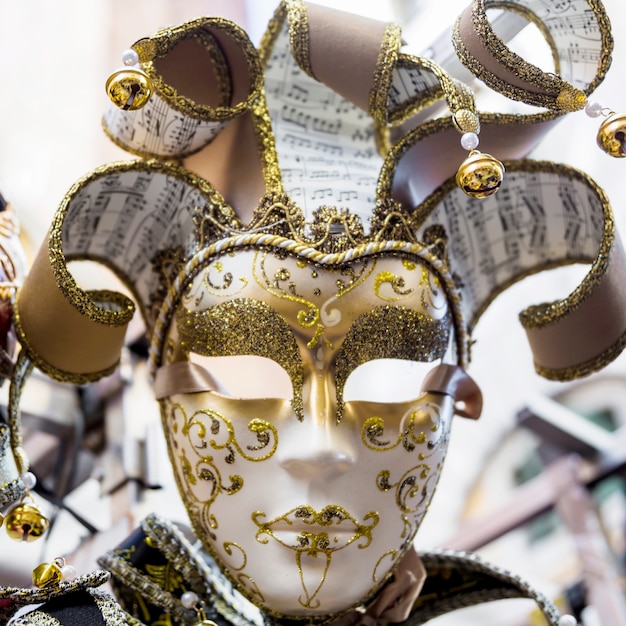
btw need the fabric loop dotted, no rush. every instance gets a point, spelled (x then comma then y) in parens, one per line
(452, 380)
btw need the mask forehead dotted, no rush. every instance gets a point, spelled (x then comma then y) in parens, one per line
(318, 300)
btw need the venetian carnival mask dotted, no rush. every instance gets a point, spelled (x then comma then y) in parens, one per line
(309, 349)
(330, 473)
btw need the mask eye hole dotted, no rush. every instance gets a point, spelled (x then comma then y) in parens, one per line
(386, 380)
(247, 377)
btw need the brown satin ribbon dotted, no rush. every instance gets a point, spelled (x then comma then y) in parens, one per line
(483, 55)
(590, 330)
(454, 381)
(344, 51)
(394, 603)
(182, 377)
(60, 339)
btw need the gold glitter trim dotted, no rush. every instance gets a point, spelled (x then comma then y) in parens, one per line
(21, 371)
(458, 95)
(383, 74)
(272, 31)
(153, 48)
(266, 146)
(299, 35)
(513, 6)
(544, 314)
(37, 618)
(23, 597)
(549, 85)
(13, 489)
(111, 611)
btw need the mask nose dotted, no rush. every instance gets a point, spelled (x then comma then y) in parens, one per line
(318, 448)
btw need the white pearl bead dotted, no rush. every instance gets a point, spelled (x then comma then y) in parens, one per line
(189, 599)
(567, 620)
(593, 109)
(469, 141)
(130, 57)
(29, 479)
(68, 572)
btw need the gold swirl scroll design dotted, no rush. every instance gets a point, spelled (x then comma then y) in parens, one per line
(208, 430)
(281, 284)
(217, 282)
(391, 287)
(311, 534)
(390, 555)
(422, 428)
(411, 494)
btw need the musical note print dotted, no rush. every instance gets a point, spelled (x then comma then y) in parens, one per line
(535, 219)
(126, 219)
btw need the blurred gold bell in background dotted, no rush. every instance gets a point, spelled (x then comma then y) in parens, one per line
(612, 135)
(480, 175)
(129, 88)
(26, 522)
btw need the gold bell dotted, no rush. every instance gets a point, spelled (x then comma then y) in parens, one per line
(480, 175)
(129, 88)
(612, 135)
(26, 522)
(47, 575)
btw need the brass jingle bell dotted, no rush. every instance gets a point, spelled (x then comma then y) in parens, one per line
(129, 88)
(612, 135)
(47, 575)
(480, 175)
(26, 522)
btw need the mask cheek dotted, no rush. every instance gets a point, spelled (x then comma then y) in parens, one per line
(213, 441)
(409, 452)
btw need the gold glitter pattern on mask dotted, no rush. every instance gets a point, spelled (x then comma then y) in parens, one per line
(390, 332)
(243, 327)
(315, 537)
(205, 434)
(422, 428)
(397, 284)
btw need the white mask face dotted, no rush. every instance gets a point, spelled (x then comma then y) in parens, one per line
(307, 493)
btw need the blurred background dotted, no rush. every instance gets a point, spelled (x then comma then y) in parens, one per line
(502, 489)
